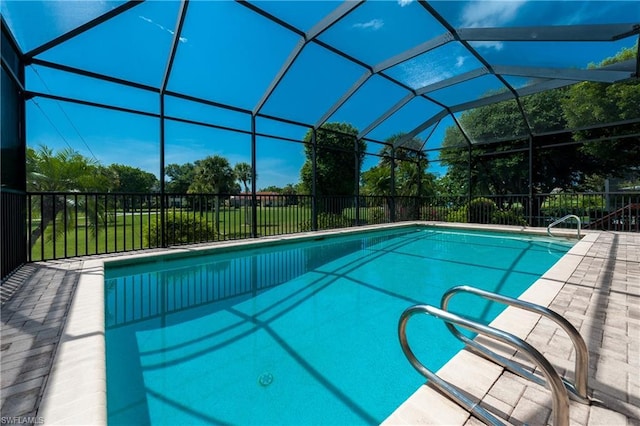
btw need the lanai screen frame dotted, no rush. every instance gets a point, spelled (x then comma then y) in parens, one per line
(551, 78)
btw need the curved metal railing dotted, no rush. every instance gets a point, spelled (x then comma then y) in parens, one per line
(578, 388)
(559, 394)
(562, 219)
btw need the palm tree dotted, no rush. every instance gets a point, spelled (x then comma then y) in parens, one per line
(64, 171)
(409, 164)
(212, 175)
(243, 172)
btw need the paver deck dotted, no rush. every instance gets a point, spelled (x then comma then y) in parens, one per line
(600, 297)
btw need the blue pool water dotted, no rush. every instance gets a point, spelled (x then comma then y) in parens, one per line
(302, 333)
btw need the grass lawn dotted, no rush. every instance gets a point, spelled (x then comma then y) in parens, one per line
(130, 232)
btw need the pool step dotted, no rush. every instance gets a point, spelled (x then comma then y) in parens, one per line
(428, 406)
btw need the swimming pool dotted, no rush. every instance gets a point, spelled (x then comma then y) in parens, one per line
(296, 333)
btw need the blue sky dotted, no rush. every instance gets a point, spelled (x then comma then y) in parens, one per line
(229, 54)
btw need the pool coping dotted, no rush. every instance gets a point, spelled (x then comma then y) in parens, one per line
(75, 392)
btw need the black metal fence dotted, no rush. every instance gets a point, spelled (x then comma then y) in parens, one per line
(618, 211)
(61, 225)
(14, 242)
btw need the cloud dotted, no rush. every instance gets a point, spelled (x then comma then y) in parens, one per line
(489, 13)
(403, 3)
(434, 66)
(481, 14)
(419, 74)
(144, 18)
(496, 45)
(374, 24)
(583, 12)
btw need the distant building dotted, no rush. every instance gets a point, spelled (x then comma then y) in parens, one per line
(263, 199)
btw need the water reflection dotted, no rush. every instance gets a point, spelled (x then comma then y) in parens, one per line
(163, 287)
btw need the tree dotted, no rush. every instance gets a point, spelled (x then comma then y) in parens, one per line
(64, 171)
(213, 175)
(447, 186)
(544, 110)
(132, 179)
(181, 175)
(591, 103)
(336, 165)
(566, 166)
(243, 173)
(376, 181)
(290, 193)
(410, 177)
(410, 169)
(129, 179)
(494, 168)
(272, 188)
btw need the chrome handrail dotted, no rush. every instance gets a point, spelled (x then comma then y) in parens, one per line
(560, 398)
(578, 389)
(562, 219)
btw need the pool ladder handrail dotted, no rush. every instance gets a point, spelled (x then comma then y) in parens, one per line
(578, 387)
(563, 219)
(560, 398)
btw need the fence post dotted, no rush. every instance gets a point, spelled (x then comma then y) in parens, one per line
(392, 213)
(314, 195)
(254, 198)
(357, 182)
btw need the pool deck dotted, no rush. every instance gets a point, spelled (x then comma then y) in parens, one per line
(596, 286)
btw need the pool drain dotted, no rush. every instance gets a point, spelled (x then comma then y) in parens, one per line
(265, 379)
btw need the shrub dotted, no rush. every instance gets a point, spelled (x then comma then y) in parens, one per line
(457, 215)
(376, 215)
(436, 213)
(327, 221)
(509, 217)
(481, 210)
(484, 210)
(517, 208)
(181, 228)
(561, 204)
